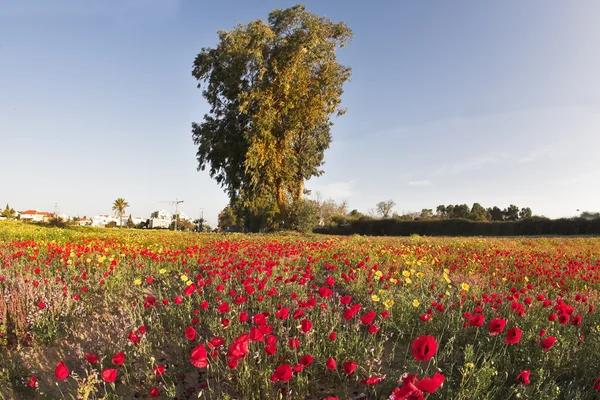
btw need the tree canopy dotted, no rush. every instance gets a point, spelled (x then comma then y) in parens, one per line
(272, 87)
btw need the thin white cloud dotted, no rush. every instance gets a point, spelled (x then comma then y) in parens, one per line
(541, 152)
(472, 164)
(420, 183)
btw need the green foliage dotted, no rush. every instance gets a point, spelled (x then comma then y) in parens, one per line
(9, 213)
(272, 88)
(130, 223)
(57, 222)
(304, 216)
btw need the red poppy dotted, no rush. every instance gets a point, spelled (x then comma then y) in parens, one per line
(330, 363)
(119, 358)
(368, 317)
(33, 382)
(159, 370)
(41, 305)
(373, 329)
(283, 313)
(513, 336)
(61, 371)
(294, 343)
(256, 335)
(243, 317)
(306, 360)
(92, 358)
(306, 325)
(238, 349)
(198, 357)
(496, 326)
(349, 367)
(178, 300)
(332, 336)
(548, 343)
(142, 330)
(217, 341)
(372, 380)
(523, 377)
(282, 373)
(134, 338)
(154, 392)
(430, 385)
(476, 320)
(424, 347)
(345, 300)
(109, 375)
(576, 321)
(596, 384)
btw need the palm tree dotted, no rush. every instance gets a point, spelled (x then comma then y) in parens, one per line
(119, 207)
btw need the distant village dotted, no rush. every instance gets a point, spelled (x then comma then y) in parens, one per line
(160, 219)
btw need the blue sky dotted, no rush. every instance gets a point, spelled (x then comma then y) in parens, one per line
(449, 102)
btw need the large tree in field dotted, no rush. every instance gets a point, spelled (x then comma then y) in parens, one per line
(272, 87)
(119, 207)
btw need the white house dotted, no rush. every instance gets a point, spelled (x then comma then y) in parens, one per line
(35, 216)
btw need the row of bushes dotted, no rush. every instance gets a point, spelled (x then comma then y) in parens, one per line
(463, 227)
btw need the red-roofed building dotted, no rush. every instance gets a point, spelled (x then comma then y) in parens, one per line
(35, 215)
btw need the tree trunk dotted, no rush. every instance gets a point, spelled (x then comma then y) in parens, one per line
(300, 192)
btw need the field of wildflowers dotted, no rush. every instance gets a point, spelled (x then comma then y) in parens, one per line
(125, 314)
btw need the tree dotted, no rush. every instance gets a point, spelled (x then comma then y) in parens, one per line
(426, 213)
(384, 208)
(511, 213)
(496, 214)
(461, 211)
(8, 212)
(119, 207)
(227, 219)
(441, 211)
(130, 223)
(328, 209)
(585, 214)
(272, 88)
(478, 213)
(525, 213)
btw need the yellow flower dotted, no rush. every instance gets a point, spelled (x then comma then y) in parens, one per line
(446, 271)
(188, 283)
(465, 287)
(406, 273)
(408, 281)
(184, 278)
(420, 274)
(375, 297)
(388, 303)
(162, 271)
(416, 303)
(393, 280)
(137, 282)
(378, 274)
(381, 291)
(469, 365)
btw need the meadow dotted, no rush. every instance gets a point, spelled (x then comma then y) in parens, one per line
(123, 314)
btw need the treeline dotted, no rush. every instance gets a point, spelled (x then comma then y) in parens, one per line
(478, 213)
(462, 227)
